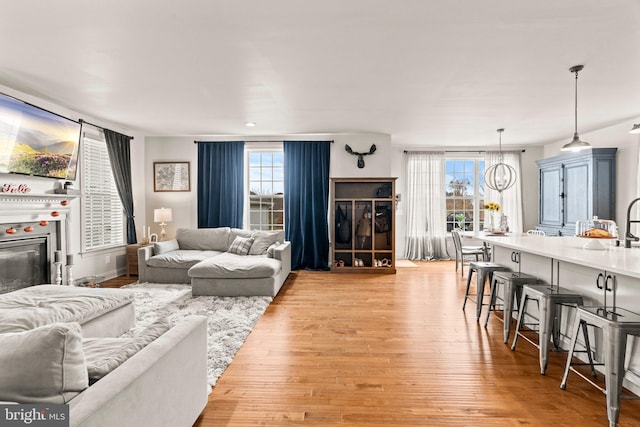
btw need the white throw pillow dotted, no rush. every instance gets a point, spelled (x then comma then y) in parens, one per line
(271, 251)
(163, 247)
(43, 365)
(106, 354)
(241, 245)
(263, 239)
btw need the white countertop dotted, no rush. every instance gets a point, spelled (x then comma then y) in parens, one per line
(614, 259)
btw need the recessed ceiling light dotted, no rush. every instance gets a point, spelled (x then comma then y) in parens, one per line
(250, 124)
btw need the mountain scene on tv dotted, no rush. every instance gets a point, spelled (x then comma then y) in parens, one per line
(36, 142)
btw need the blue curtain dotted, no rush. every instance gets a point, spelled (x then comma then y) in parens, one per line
(306, 203)
(220, 184)
(120, 159)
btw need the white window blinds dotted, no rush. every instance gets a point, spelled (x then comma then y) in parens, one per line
(102, 214)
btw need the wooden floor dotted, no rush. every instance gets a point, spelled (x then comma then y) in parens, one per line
(385, 350)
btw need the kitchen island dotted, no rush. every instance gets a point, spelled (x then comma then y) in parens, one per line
(564, 261)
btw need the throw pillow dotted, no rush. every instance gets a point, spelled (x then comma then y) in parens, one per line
(43, 365)
(241, 245)
(106, 354)
(271, 250)
(262, 241)
(168, 246)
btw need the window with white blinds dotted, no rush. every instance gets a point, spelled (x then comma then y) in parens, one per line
(102, 214)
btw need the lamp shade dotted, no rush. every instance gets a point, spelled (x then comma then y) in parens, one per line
(162, 215)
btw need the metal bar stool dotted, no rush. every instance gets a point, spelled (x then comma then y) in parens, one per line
(548, 298)
(484, 270)
(616, 324)
(512, 283)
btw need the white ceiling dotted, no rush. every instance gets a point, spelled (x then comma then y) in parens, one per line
(429, 73)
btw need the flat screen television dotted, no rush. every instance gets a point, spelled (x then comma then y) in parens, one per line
(37, 142)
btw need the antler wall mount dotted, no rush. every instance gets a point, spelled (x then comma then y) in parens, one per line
(360, 155)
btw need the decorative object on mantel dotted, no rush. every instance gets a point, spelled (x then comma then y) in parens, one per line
(360, 155)
(15, 188)
(69, 191)
(576, 144)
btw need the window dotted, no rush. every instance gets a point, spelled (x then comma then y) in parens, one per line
(464, 194)
(102, 215)
(266, 190)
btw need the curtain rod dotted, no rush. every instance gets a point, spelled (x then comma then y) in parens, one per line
(459, 151)
(264, 140)
(83, 121)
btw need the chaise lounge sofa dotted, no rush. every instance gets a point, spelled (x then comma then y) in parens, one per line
(219, 261)
(158, 377)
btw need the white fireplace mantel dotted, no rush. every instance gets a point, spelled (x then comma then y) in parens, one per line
(26, 207)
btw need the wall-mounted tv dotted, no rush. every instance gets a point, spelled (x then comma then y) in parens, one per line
(37, 142)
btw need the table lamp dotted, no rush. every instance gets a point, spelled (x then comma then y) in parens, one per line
(162, 215)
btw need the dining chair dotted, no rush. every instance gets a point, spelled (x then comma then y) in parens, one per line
(465, 251)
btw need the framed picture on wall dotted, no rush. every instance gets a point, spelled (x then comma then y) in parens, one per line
(171, 176)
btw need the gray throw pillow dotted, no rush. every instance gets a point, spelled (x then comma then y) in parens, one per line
(262, 240)
(42, 365)
(163, 247)
(241, 245)
(106, 354)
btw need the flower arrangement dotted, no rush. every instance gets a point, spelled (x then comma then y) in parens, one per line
(492, 207)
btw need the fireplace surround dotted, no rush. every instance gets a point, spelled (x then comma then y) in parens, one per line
(32, 229)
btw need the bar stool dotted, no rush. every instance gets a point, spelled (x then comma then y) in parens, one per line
(548, 298)
(484, 270)
(616, 325)
(512, 283)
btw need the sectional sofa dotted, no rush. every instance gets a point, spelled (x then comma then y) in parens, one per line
(158, 377)
(219, 261)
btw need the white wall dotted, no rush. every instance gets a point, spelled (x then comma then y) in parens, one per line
(94, 263)
(179, 148)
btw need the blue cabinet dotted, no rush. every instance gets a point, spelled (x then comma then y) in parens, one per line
(576, 186)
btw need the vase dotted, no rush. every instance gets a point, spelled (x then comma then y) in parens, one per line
(491, 224)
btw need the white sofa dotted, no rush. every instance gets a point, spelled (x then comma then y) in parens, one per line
(45, 357)
(257, 263)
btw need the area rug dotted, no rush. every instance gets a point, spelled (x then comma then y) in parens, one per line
(230, 319)
(405, 263)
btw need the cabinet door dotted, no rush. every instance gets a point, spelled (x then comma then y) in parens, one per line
(550, 191)
(577, 193)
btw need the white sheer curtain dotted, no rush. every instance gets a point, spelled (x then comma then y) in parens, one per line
(426, 219)
(511, 198)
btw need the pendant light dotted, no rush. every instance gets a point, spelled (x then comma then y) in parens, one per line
(576, 144)
(500, 176)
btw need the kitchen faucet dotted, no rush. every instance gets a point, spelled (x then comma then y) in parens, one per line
(628, 236)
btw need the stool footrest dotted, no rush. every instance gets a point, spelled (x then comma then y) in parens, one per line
(587, 379)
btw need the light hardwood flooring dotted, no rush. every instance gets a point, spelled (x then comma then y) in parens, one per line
(393, 350)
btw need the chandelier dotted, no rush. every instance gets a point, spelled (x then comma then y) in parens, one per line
(500, 176)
